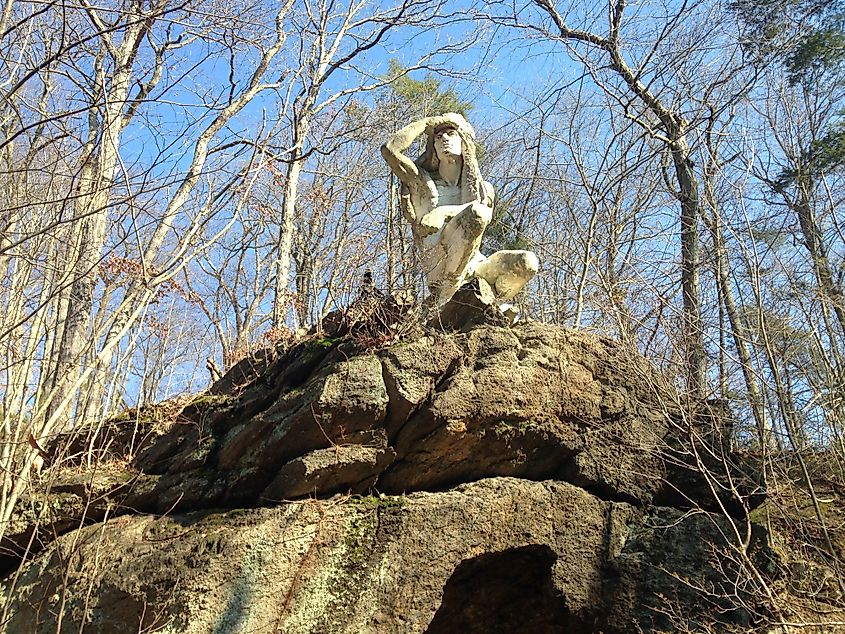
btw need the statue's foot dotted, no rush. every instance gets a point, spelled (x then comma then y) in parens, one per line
(508, 272)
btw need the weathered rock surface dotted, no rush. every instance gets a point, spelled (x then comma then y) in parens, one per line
(497, 555)
(526, 476)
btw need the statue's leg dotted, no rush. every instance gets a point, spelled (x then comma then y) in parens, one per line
(462, 236)
(508, 271)
(461, 239)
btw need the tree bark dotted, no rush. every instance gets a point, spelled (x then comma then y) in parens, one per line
(287, 226)
(818, 252)
(696, 357)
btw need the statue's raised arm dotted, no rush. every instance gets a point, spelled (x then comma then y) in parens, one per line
(449, 206)
(392, 151)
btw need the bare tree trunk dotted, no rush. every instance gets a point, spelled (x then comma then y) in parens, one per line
(389, 246)
(797, 439)
(287, 226)
(739, 333)
(92, 202)
(818, 251)
(696, 358)
(586, 263)
(94, 406)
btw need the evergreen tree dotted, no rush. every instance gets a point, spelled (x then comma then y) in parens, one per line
(807, 37)
(424, 97)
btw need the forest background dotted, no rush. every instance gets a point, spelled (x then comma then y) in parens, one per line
(184, 182)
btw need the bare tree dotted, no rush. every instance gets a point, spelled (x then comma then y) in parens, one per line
(644, 78)
(331, 42)
(128, 48)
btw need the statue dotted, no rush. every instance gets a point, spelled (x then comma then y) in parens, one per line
(449, 206)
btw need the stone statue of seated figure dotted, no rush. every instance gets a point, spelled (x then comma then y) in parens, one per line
(449, 206)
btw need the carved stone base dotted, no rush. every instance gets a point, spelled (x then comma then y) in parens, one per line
(473, 304)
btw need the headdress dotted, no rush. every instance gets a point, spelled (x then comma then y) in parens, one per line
(471, 181)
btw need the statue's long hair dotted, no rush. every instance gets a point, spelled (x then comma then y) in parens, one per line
(471, 181)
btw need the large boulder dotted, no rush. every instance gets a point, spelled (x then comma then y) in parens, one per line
(512, 475)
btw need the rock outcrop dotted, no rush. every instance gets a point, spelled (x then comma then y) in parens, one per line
(525, 479)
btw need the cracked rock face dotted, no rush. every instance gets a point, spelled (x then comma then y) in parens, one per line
(512, 478)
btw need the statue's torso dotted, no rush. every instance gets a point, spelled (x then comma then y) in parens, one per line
(432, 192)
(447, 194)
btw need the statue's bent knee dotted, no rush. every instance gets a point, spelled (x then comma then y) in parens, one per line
(482, 212)
(508, 272)
(474, 219)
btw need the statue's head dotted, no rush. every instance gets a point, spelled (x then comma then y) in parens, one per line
(451, 136)
(447, 142)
